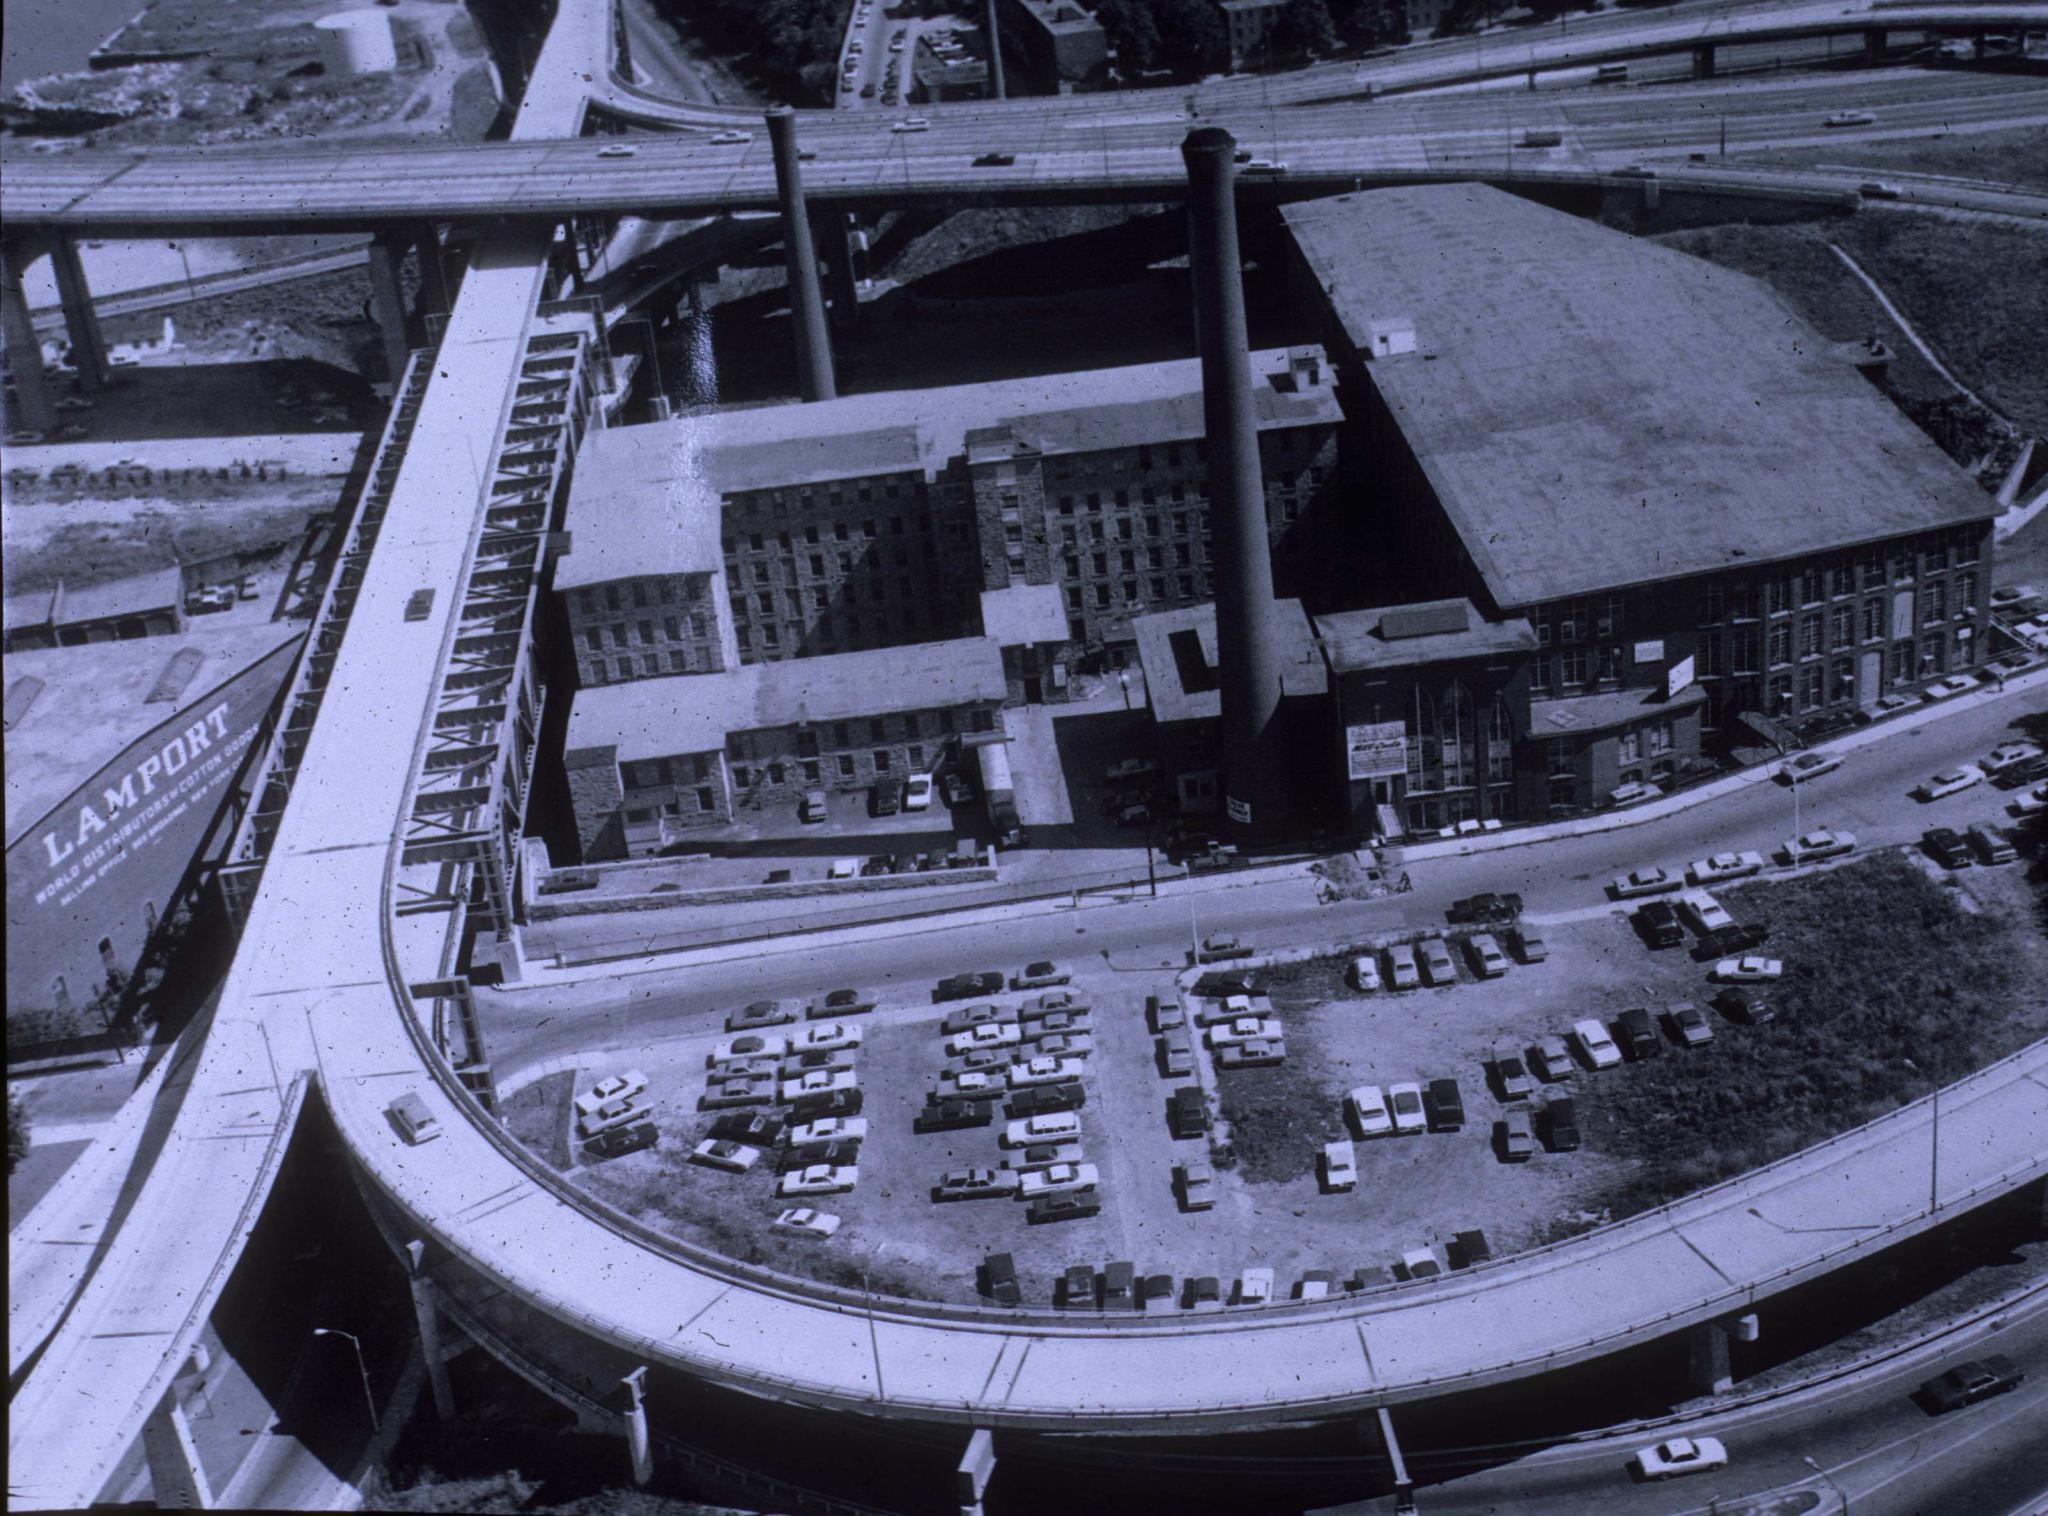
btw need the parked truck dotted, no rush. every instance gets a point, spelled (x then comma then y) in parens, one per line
(1000, 793)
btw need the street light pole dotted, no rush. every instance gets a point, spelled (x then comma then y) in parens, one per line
(362, 1368)
(1807, 1459)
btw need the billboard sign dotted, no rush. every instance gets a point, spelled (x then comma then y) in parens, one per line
(1376, 749)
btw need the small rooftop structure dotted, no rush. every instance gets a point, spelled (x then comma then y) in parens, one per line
(47, 614)
(1593, 410)
(1430, 631)
(1023, 614)
(651, 718)
(1606, 711)
(1183, 680)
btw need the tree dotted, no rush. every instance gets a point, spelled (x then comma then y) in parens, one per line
(17, 1133)
(1132, 32)
(1304, 27)
(1192, 35)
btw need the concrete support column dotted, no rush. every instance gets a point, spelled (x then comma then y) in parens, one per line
(834, 235)
(976, 1464)
(35, 409)
(436, 298)
(1248, 647)
(806, 299)
(81, 321)
(1703, 61)
(1404, 1483)
(175, 1472)
(1873, 44)
(387, 299)
(636, 1425)
(426, 1311)
(1708, 1371)
(995, 50)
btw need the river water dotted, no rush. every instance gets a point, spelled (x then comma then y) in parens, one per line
(54, 36)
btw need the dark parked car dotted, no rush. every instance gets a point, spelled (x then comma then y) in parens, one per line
(967, 986)
(1637, 1034)
(1077, 1288)
(1188, 1112)
(1744, 1006)
(1968, 1383)
(1468, 1248)
(1446, 1106)
(1658, 925)
(1945, 845)
(1043, 1099)
(1204, 1292)
(1072, 1206)
(883, 800)
(1119, 1287)
(825, 1103)
(999, 1280)
(1731, 941)
(838, 1153)
(1219, 947)
(840, 1003)
(1514, 1136)
(1561, 1125)
(621, 1140)
(953, 1115)
(1486, 909)
(756, 1127)
(878, 864)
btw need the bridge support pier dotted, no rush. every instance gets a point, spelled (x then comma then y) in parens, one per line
(995, 50)
(1708, 1368)
(175, 1472)
(81, 321)
(426, 1311)
(387, 298)
(636, 1425)
(35, 409)
(806, 300)
(1703, 61)
(977, 1463)
(1404, 1482)
(436, 295)
(1873, 45)
(833, 232)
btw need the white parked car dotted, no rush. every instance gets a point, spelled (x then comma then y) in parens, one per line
(1596, 1043)
(1802, 766)
(1045, 1071)
(818, 1082)
(1720, 866)
(825, 1035)
(1950, 782)
(1420, 1263)
(1369, 1113)
(802, 1221)
(2032, 802)
(1340, 1166)
(1246, 1029)
(917, 794)
(1488, 961)
(1750, 968)
(717, 1153)
(1707, 913)
(1642, 882)
(990, 1034)
(1058, 1179)
(752, 1045)
(1681, 1455)
(1365, 973)
(1054, 1126)
(2009, 755)
(1404, 1102)
(1401, 964)
(1941, 689)
(619, 1087)
(1823, 842)
(830, 1129)
(1255, 1287)
(819, 1179)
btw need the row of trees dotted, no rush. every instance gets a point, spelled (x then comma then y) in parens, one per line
(791, 45)
(1191, 37)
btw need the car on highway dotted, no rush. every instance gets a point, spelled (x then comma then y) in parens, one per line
(1514, 1137)
(1486, 909)
(1437, 965)
(1365, 974)
(802, 1221)
(1541, 137)
(1255, 1053)
(1404, 1103)
(618, 1087)
(1878, 189)
(752, 1045)
(1848, 118)
(818, 1082)
(1527, 944)
(974, 1184)
(1689, 1025)
(825, 1034)
(1968, 1383)
(737, 1092)
(1039, 976)
(1197, 1185)
(967, 986)
(1945, 845)
(1657, 924)
(911, 124)
(1803, 766)
(1369, 1114)
(1681, 1455)
(1445, 1104)
(1222, 947)
(1596, 1044)
(718, 1153)
(1058, 1179)
(1072, 1206)
(989, 1034)
(1949, 782)
(731, 138)
(1550, 1059)
(1048, 1069)
(1403, 972)
(758, 1127)
(839, 1003)
(1488, 961)
(1706, 913)
(1817, 845)
(952, 1116)
(818, 1179)
(1719, 866)
(617, 150)
(1265, 166)
(1638, 882)
(1750, 968)
(760, 1013)
(995, 160)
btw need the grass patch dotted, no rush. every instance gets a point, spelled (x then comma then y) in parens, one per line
(2015, 157)
(1890, 990)
(1279, 1117)
(537, 1116)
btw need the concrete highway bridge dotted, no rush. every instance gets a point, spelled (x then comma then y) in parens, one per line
(376, 857)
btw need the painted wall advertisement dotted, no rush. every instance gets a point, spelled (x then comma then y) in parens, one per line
(1376, 749)
(108, 858)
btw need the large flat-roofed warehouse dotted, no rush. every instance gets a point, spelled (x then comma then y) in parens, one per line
(655, 758)
(1717, 528)
(882, 519)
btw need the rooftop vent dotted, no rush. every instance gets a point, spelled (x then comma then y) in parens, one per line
(170, 684)
(1389, 336)
(20, 696)
(1424, 620)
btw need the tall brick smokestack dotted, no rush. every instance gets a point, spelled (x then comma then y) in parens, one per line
(1248, 649)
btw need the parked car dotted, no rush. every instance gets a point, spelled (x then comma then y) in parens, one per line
(812, 806)
(1731, 941)
(1706, 913)
(830, 1129)
(1197, 1185)
(1049, 1001)
(1255, 1287)
(1515, 1137)
(1638, 882)
(831, 1103)
(1042, 1155)
(1512, 1077)
(975, 1184)
(1689, 1025)
(1967, 1383)
(952, 1116)
(817, 1082)
(752, 1045)
(917, 793)
(967, 1017)
(802, 1221)
(818, 1179)
(1528, 945)
(1419, 1263)
(1057, 1179)
(621, 1140)
(1486, 909)
(882, 800)
(989, 1034)
(825, 1034)
(1402, 970)
(1046, 1099)
(1404, 1103)
(1751, 968)
(978, 1060)
(1637, 1034)
(816, 1061)
(1945, 845)
(1469, 1248)
(1165, 1015)
(737, 1092)
(1129, 768)
(2008, 756)
(717, 1153)
(1369, 1114)
(1720, 866)
(957, 790)
(968, 1084)
(1254, 1053)
(1045, 1070)
(1949, 782)
(760, 1128)
(1076, 1291)
(1994, 844)
(1188, 1112)
(1072, 1206)
(758, 1066)
(967, 986)
(1746, 1007)
(1000, 1275)
(1437, 966)
(1561, 1124)
(1061, 1126)
(1488, 962)
(1819, 844)
(1244, 1029)
(1445, 1105)
(1803, 766)
(618, 1087)
(840, 1003)
(1221, 947)
(1038, 976)
(1657, 924)
(1550, 1059)
(805, 1154)
(1365, 974)
(1683, 1455)
(1176, 1055)
(1596, 1045)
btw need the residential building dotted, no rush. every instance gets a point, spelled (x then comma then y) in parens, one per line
(1251, 24)
(1051, 47)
